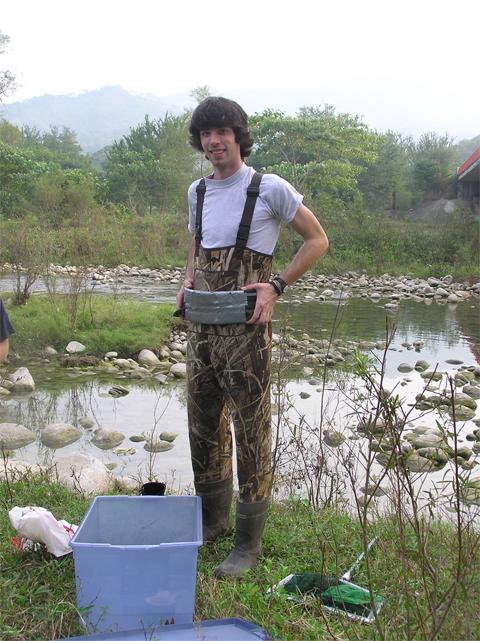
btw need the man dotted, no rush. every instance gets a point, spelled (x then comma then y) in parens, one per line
(6, 330)
(235, 215)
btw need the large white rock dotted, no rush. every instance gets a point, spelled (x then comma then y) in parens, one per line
(122, 363)
(13, 469)
(86, 474)
(147, 358)
(13, 436)
(22, 380)
(428, 439)
(157, 446)
(168, 436)
(164, 353)
(57, 435)
(417, 463)
(74, 347)
(105, 439)
(472, 390)
(49, 351)
(179, 370)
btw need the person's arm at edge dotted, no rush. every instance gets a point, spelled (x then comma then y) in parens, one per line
(3, 350)
(188, 278)
(315, 244)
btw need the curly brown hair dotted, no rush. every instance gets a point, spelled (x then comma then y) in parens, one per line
(220, 112)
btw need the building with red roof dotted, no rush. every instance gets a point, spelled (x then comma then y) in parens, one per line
(468, 180)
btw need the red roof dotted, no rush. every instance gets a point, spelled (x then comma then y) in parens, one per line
(470, 160)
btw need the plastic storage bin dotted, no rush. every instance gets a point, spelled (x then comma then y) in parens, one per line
(215, 630)
(135, 561)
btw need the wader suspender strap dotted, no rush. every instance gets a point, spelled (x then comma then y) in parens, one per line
(201, 189)
(253, 191)
(244, 228)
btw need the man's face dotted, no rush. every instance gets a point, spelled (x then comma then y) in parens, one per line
(221, 148)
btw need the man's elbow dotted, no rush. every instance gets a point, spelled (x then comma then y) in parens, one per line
(321, 245)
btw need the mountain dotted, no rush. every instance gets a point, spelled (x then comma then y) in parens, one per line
(98, 117)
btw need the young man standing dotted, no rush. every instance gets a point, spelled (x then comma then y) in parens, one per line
(235, 216)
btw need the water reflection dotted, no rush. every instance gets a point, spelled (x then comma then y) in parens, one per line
(144, 410)
(446, 331)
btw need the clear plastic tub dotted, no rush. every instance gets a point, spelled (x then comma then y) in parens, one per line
(135, 561)
(215, 630)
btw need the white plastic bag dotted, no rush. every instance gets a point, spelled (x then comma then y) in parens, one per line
(40, 526)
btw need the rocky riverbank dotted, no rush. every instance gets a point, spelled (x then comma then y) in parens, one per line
(311, 286)
(423, 448)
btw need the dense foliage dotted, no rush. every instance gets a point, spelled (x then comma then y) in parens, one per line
(128, 204)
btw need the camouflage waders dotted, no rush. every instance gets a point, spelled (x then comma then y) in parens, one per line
(228, 372)
(228, 368)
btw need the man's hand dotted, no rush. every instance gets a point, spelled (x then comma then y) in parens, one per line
(266, 299)
(179, 298)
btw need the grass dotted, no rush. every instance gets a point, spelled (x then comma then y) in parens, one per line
(359, 240)
(101, 323)
(37, 594)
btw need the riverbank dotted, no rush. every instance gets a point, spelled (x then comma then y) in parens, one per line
(101, 324)
(38, 592)
(69, 309)
(321, 285)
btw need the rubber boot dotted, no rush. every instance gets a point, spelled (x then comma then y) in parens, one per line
(250, 522)
(216, 502)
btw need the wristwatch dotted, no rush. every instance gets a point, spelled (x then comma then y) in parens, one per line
(278, 284)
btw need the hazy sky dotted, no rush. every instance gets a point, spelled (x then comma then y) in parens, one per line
(411, 66)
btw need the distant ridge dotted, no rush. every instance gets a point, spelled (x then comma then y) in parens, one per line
(98, 117)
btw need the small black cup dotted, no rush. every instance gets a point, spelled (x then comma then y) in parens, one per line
(154, 488)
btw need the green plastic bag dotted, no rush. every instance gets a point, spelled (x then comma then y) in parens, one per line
(350, 597)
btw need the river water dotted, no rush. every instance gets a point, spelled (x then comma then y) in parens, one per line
(447, 332)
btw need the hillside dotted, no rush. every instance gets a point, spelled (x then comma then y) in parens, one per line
(98, 117)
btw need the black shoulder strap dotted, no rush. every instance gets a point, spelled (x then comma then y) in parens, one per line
(201, 189)
(253, 191)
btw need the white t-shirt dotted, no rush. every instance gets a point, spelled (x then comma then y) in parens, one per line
(224, 203)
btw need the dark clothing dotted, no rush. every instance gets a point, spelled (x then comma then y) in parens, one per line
(6, 328)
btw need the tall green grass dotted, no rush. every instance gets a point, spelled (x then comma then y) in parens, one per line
(37, 593)
(360, 240)
(102, 324)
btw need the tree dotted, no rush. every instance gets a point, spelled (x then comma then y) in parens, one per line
(386, 184)
(152, 166)
(320, 152)
(433, 160)
(18, 172)
(10, 134)
(58, 145)
(200, 93)
(54, 181)
(7, 78)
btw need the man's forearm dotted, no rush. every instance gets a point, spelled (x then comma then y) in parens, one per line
(309, 252)
(188, 278)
